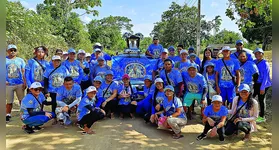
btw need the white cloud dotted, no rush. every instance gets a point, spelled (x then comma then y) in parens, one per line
(144, 28)
(133, 12)
(33, 9)
(86, 19)
(214, 4)
(25, 4)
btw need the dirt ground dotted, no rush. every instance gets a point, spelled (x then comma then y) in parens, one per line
(125, 134)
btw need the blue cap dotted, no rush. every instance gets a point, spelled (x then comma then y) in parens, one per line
(193, 54)
(100, 58)
(191, 48)
(169, 87)
(192, 65)
(109, 72)
(209, 64)
(98, 78)
(71, 50)
(165, 50)
(171, 47)
(148, 77)
(10, 46)
(244, 87)
(239, 42)
(258, 50)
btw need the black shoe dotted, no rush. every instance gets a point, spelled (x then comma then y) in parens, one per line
(37, 128)
(8, 118)
(201, 136)
(221, 139)
(28, 129)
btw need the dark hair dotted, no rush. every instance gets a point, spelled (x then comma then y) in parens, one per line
(58, 50)
(68, 78)
(204, 59)
(167, 60)
(155, 95)
(249, 103)
(180, 45)
(44, 49)
(242, 52)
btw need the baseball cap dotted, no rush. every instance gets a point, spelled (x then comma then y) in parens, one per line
(191, 48)
(125, 76)
(35, 85)
(165, 50)
(71, 50)
(258, 50)
(56, 57)
(87, 55)
(100, 58)
(209, 64)
(148, 77)
(91, 89)
(239, 42)
(58, 51)
(98, 78)
(192, 65)
(171, 47)
(81, 51)
(244, 87)
(65, 53)
(109, 72)
(97, 44)
(183, 51)
(10, 46)
(158, 80)
(169, 87)
(97, 50)
(193, 54)
(155, 38)
(225, 48)
(217, 98)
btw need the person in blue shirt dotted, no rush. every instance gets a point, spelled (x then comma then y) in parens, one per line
(15, 79)
(172, 55)
(176, 117)
(157, 100)
(210, 75)
(155, 49)
(239, 48)
(68, 97)
(172, 77)
(195, 89)
(65, 56)
(193, 57)
(227, 81)
(100, 69)
(53, 78)
(97, 82)
(214, 118)
(31, 110)
(192, 50)
(87, 112)
(85, 81)
(184, 63)
(249, 72)
(99, 51)
(159, 64)
(179, 48)
(263, 83)
(73, 66)
(35, 68)
(58, 52)
(127, 97)
(109, 88)
(207, 57)
(87, 57)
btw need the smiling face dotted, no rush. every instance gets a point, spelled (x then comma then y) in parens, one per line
(216, 105)
(40, 54)
(207, 53)
(12, 52)
(147, 83)
(159, 85)
(172, 52)
(169, 93)
(36, 91)
(259, 55)
(244, 94)
(226, 53)
(192, 72)
(56, 63)
(109, 77)
(68, 84)
(72, 56)
(209, 69)
(167, 65)
(91, 94)
(97, 84)
(242, 57)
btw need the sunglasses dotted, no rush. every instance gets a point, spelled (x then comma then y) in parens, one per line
(13, 50)
(37, 89)
(155, 39)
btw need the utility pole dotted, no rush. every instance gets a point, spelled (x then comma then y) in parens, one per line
(199, 28)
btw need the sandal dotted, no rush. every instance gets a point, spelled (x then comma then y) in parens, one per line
(89, 132)
(178, 137)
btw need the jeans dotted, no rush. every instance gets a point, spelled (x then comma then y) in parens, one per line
(37, 120)
(220, 131)
(261, 98)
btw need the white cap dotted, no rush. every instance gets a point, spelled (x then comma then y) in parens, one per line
(217, 98)
(56, 57)
(81, 51)
(87, 55)
(97, 44)
(97, 49)
(226, 48)
(35, 85)
(65, 53)
(183, 51)
(91, 89)
(158, 80)
(10, 46)
(165, 50)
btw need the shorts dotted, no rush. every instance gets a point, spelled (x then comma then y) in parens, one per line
(190, 97)
(10, 89)
(228, 94)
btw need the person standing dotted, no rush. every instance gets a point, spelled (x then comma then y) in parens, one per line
(184, 63)
(197, 59)
(85, 81)
(239, 48)
(207, 57)
(15, 79)
(98, 50)
(155, 49)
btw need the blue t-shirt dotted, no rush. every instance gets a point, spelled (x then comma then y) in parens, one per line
(148, 91)
(82, 110)
(29, 101)
(206, 62)
(56, 79)
(100, 71)
(74, 69)
(155, 50)
(211, 80)
(159, 65)
(14, 70)
(216, 116)
(264, 77)
(243, 113)
(128, 90)
(174, 77)
(34, 72)
(68, 96)
(194, 85)
(158, 100)
(85, 76)
(236, 54)
(197, 60)
(105, 56)
(183, 66)
(247, 70)
(225, 79)
(175, 58)
(110, 90)
(171, 106)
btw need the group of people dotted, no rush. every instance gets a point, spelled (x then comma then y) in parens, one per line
(83, 84)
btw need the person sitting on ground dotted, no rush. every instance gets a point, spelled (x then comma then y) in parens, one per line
(32, 114)
(214, 118)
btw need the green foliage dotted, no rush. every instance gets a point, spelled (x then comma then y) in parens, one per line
(145, 43)
(223, 37)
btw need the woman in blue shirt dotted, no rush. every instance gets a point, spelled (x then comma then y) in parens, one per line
(85, 81)
(207, 57)
(210, 75)
(100, 69)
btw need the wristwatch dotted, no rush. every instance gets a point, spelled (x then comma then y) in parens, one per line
(170, 116)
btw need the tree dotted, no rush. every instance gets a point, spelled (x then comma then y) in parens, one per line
(145, 43)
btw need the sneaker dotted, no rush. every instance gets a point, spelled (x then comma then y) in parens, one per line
(37, 128)
(260, 120)
(8, 118)
(28, 129)
(201, 137)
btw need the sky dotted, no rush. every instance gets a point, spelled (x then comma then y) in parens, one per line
(144, 13)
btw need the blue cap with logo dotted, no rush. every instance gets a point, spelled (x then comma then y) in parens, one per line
(258, 50)
(148, 77)
(191, 48)
(109, 72)
(100, 58)
(71, 50)
(209, 64)
(244, 87)
(192, 65)
(98, 78)
(239, 42)
(169, 87)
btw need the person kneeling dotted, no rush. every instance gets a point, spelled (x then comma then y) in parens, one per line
(32, 114)
(87, 112)
(214, 118)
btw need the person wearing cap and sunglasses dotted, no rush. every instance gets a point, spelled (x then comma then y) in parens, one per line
(53, 78)
(184, 63)
(87, 112)
(245, 109)
(197, 60)
(239, 48)
(31, 110)
(160, 63)
(85, 81)
(172, 55)
(227, 76)
(155, 49)
(36, 66)
(100, 69)
(74, 67)
(98, 51)
(214, 118)
(65, 56)
(195, 88)
(263, 83)
(15, 79)
(127, 97)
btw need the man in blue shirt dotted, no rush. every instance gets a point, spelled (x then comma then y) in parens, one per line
(239, 48)
(192, 50)
(99, 51)
(15, 79)
(155, 49)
